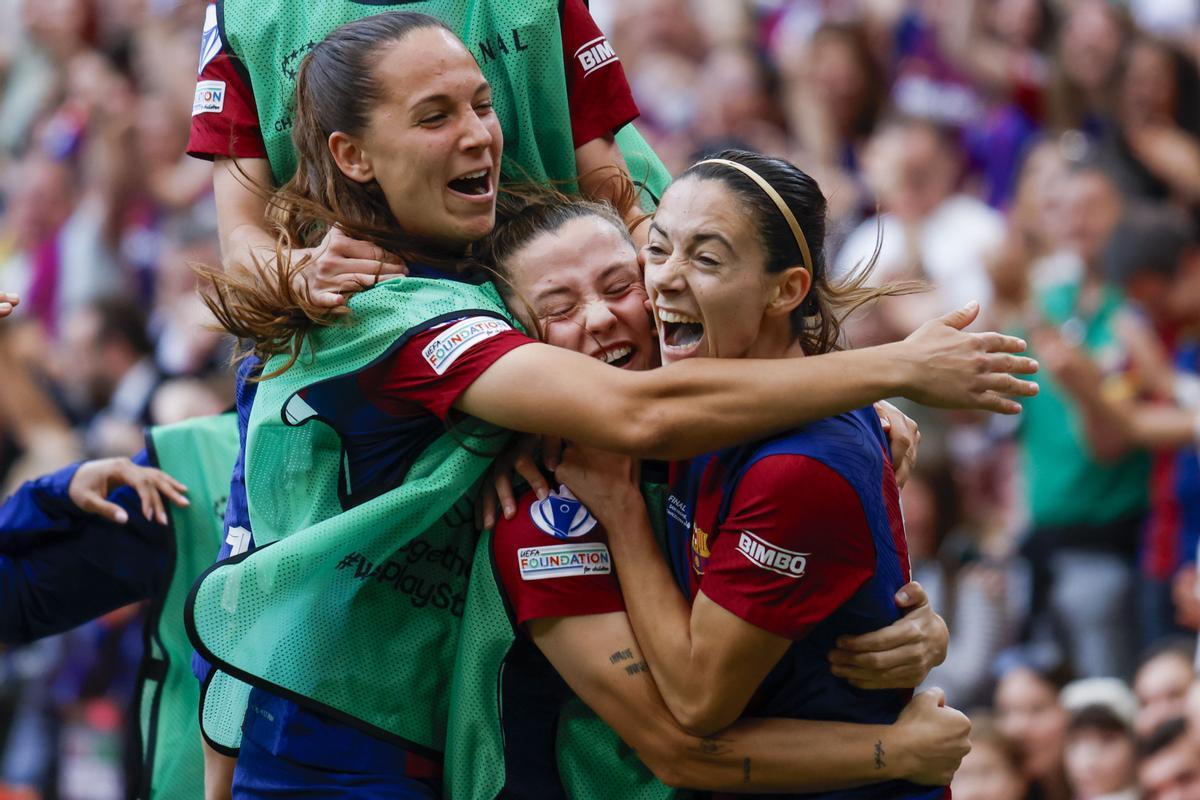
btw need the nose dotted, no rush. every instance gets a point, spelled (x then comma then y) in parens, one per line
(598, 317)
(665, 277)
(476, 135)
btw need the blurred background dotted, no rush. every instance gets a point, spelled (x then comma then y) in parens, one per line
(1040, 156)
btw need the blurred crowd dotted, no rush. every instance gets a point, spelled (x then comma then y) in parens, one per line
(1040, 156)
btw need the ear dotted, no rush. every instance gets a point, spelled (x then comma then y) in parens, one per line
(350, 157)
(791, 287)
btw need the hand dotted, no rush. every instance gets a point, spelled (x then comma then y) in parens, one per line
(1171, 153)
(95, 480)
(1187, 603)
(498, 486)
(7, 303)
(899, 656)
(935, 739)
(1069, 364)
(603, 481)
(340, 266)
(903, 436)
(950, 368)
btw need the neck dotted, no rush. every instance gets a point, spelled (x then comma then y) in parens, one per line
(775, 340)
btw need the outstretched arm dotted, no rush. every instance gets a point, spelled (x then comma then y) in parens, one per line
(703, 404)
(599, 658)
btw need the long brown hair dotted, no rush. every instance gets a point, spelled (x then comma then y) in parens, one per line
(336, 89)
(817, 321)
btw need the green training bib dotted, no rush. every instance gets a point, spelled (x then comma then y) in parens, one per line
(352, 612)
(200, 453)
(517, 43)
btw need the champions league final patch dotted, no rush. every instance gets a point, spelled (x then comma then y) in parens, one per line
(563, 561)
(459, 337)
(561, 515)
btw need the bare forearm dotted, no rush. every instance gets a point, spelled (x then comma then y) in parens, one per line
(777, 755)
(1163, 426)
(658, 611)
(702, 405)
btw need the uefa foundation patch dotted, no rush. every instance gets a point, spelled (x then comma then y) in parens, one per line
(459, 337)
(563, 561)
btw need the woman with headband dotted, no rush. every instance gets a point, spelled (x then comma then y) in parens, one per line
(784, 545)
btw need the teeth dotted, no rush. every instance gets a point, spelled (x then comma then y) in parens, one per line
(470, 176)
(671, 316)
(616, 355)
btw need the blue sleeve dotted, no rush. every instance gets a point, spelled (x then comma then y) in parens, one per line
(60, 567)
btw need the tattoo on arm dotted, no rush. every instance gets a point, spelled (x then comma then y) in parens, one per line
(620, 655)
(634, 669)
(712, 747)
(746, 770)
(879, 762)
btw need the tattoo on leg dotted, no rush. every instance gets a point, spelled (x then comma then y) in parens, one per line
(620, 655)
(634, 669)
(745, 770)
(879, 762)
(710, 747)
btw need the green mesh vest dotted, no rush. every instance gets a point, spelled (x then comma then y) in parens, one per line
(200, 453)
(592, 761)
(356, 613)
(518, 44)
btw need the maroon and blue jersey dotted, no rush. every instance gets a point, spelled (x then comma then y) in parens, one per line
(801, 535)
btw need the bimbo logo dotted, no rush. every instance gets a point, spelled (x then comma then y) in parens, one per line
(458, 338)
(595, 54)
(772, 557)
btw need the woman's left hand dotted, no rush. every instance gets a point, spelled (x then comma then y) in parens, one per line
(899, 656)
(602, 481)
(904, 438)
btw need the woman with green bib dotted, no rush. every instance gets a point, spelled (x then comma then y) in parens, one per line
(368, 439)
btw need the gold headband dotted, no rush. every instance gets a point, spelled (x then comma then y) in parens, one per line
(801, 242)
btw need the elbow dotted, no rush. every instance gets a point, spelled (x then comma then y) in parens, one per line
(700, 718)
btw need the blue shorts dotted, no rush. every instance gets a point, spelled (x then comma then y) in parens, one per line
(260, 774)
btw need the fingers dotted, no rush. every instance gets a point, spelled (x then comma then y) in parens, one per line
(93, 503)
(504, 493)
(911, 595)
(488, 503)
(902, 632)
(1019, 365)
(936, 696)
(1002, 383)
(552, 452)
(8, 302)
(528, 469)
(1001, 343)
(348, 248)
(962, 317)
(897, 678)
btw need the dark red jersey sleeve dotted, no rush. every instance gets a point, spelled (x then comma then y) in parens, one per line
(434, 367)
(795, 546)
(598, 92)
(546, 575)
(224, 114)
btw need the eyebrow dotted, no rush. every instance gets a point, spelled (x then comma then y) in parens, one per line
(703, 236)
(442, 98)
(552, 292)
